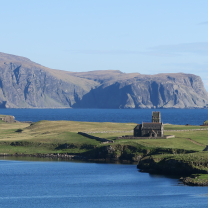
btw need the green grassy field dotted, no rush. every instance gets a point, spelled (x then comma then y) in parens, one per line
(45, 137)
(54, 133)
(183, 127)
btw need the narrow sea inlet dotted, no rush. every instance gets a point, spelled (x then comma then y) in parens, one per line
(47, 184)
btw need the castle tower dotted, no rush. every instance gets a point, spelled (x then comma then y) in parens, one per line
(156, 117)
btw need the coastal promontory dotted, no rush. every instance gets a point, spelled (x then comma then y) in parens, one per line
(25, 84)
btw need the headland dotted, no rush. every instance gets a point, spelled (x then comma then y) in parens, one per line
(183, 156)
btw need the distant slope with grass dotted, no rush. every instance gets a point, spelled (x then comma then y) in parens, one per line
(25, 84)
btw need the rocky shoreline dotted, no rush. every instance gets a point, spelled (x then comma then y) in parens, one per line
(171, 167)
(187, 173)
(193, 181)
(66, 156)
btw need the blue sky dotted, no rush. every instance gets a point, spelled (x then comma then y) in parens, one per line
(148, 37)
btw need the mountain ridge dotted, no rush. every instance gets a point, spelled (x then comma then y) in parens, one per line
(26, 84)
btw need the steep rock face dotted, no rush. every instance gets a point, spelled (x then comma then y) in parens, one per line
(23, 87)
(25, 84)
(150, 91)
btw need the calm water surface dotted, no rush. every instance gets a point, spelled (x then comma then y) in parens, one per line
(173, 116)
(73, 184)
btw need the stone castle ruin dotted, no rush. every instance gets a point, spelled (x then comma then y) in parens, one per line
(153, 129)
(8, 119)
(156, 117)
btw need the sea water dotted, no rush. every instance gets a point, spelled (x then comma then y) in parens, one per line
(51, 184)
(172, 116)
(77, 184)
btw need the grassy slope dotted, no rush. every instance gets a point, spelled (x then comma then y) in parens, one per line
(183, 127)
(53, 133)
(46, 136)
(50, 137)
(180, 141)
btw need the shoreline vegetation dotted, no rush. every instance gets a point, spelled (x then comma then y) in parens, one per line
(184, 156)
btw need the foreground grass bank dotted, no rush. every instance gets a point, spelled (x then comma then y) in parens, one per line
(182, 155)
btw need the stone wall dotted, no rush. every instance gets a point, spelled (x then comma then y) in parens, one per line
(132, 137)
(96, 138)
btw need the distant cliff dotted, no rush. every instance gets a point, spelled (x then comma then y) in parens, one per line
(147, 91)
(25, 84)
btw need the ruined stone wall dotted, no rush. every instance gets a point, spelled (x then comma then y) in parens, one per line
(96, 138)
(132, 137)
(9, 119)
